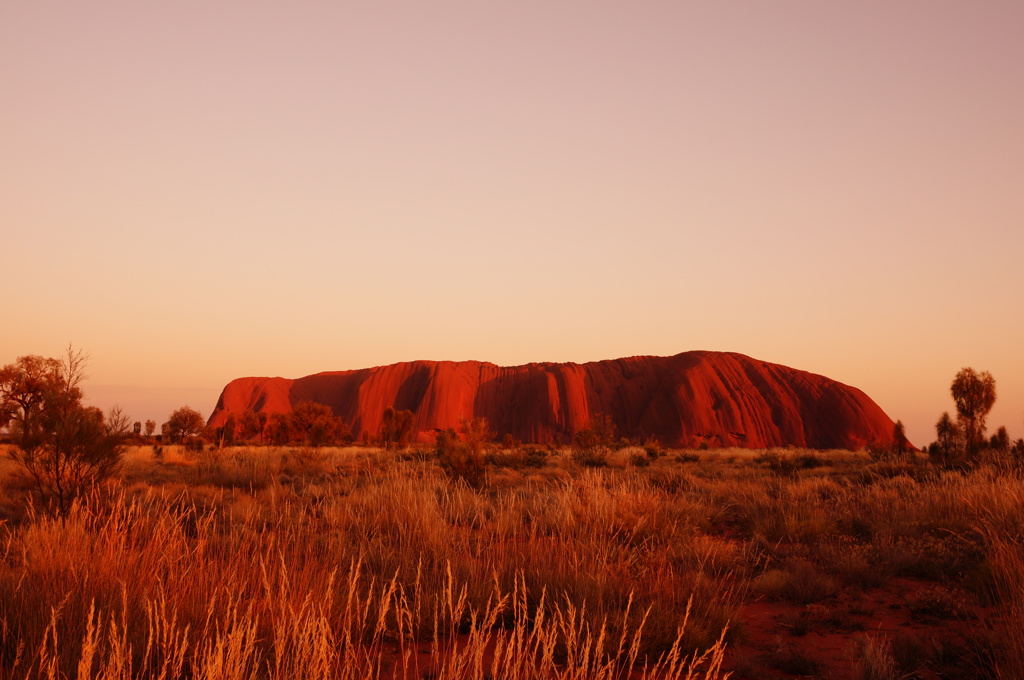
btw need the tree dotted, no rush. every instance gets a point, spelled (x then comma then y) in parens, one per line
(278, 429)
(603, 427)
(249, 424)
(946, 448)
(974, 395)
(1017, 452)
(62, 448)
(150, 427)
(395, 428)
(309, 423)
(588, 448)
(184, 423)
(1000, 441)
(27, 388)
(226, 433)
(900, 443)
(315, 424)
(464, 459)
(476, 432)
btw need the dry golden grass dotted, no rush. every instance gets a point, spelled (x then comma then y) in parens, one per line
(355, 562)
(336, 564)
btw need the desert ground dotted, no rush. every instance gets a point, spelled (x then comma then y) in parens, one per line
(360, 562)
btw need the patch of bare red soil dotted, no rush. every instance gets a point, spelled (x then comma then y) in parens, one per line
(778, 639)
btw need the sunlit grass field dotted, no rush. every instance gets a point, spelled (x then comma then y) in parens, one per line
(363, 563)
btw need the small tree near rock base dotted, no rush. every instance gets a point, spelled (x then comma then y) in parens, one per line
(900, 444)
(315, 425)
(588, 449)
(464, 458)
(395, 428)
(974, 394)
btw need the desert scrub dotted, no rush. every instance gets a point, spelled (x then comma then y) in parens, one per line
(873, 659)
(361, 552)
(340, 570)
(798, 581)
(937, 602)
(518, 457)
(460, 459)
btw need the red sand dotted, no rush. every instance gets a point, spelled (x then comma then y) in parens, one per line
(833, 625)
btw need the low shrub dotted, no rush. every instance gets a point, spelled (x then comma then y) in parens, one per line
(639, 460)
(936, 602)
(873, 659)
(779, 464)
(518, 458)
(799, 582)
(535, 457)
(305, 461)
(809, 461)
(194, 445)
(654, 449)
(458, 459)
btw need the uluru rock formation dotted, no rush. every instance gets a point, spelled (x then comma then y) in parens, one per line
(723, 399)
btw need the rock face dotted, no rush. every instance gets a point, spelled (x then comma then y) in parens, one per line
(723, 399)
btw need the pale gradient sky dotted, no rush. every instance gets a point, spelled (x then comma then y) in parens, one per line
(197, 191)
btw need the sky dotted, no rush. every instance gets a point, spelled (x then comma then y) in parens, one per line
(192, 192)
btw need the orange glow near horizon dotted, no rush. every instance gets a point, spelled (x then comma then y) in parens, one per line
(192, 194)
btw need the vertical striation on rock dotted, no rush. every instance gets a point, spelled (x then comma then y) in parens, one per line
(717, 398)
